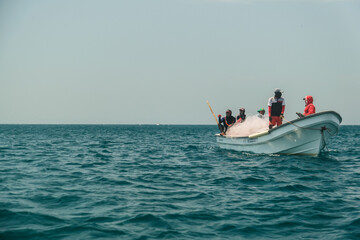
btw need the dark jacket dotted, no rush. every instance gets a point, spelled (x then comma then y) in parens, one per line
(226, 122)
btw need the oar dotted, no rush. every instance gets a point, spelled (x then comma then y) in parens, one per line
(219, 126)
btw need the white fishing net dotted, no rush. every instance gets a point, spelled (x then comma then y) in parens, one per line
(251, 125)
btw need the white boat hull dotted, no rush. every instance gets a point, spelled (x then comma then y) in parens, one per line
(305, 136)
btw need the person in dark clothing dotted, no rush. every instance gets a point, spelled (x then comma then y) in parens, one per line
(242, 116)
(227, 121)
(276, 106)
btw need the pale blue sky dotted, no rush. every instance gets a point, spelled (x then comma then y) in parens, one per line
(158, 61)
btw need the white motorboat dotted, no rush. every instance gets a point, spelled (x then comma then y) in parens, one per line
(303, 136)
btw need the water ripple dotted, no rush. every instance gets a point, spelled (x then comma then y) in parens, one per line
(170, 182)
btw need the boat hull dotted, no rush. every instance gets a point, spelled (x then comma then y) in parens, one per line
(305, 136)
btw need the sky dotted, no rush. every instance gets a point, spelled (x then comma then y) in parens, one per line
(159, 61)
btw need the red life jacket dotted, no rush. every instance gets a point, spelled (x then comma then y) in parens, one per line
(310, 108)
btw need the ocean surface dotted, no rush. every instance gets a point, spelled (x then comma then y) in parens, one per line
(171, 182)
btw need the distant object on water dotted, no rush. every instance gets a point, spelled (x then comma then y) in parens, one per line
(304, 136)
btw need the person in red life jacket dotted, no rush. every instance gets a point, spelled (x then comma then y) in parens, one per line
(309, 107)
(227, 121)
(242, 116)
(276, 106)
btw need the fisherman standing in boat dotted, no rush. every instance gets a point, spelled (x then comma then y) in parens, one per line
(226, 122)
(276, 106)
(242, 116)
(309, 107)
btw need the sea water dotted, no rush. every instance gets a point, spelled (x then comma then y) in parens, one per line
(171, 182)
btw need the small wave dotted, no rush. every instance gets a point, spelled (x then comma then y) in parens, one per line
(86, 230)
(355, 223)
(50, 201)
(122, 182)
(4, 148)
(253, 180)
(171, 234)
(310, 178)
(202, 215)
(223, 180)
(191, 147)
(22, 233)
(148, 219)
(101, 156)
(294, 188)
(10, 218)
(227, 227)
(100, 219)
(144, 218)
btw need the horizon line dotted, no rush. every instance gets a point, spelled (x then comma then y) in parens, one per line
(134, 124)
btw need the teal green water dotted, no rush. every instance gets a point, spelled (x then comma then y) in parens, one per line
(171, 182)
